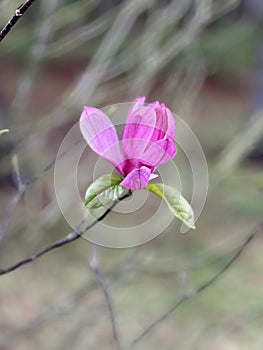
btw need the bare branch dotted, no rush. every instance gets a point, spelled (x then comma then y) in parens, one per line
(65, 305)
(21, 187)
(72, 236)
(17, 15)
(200, 289)
(103, 285)
(61, 306)
(44, 32)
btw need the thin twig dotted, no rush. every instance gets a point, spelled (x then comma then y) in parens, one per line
(21, 187)
(61, 306)
(103, 285)
(17, 15)
(200, 289)
(9, 213)
(50, 165)
(65, 304)
(44, 32)
(72, 236)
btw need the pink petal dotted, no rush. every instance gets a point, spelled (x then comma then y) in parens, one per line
(135, 156)
(140, 123)
(149, 154)
(160, 152)
(137, 103)
(129, 165)
(101, 136)
(139, 126)
(145, 125)
(165, 122)
(137, 179)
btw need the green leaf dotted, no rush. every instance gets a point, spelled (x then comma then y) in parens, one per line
(103, 191)
(176, 202)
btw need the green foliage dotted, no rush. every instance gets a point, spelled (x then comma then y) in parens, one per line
(176, 202)
(103, 191)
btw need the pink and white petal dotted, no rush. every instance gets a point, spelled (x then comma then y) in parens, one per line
(137, 103)
(137, 179)
(139, 126)
(101, 135)
(165, 122)
(171, 129)
(129, 165)
(134, 148)
(140, 123)
(160, 152)
(150, 154)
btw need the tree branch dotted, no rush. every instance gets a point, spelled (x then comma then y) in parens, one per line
(72, 236)
(21, 187)
(17, 15)
(64, 305)
(200, 289)
(104, 288)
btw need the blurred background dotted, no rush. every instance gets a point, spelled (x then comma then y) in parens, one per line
(203, 59)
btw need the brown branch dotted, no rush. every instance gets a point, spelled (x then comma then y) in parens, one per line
(17, 15)
(200, 289)
(72, 236)
(104, 288)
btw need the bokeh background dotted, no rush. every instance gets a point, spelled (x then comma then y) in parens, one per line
(203, 59)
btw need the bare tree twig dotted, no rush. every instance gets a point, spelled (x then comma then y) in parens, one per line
(49, 166)
(72, 236)
(17, 15)
(44, 32)
(200, 289)
(10, 210)
(96, 69)
(61, 306)
(21, 187)
(103, 285)
(65, 304)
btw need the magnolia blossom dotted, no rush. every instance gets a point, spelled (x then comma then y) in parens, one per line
(147, 140)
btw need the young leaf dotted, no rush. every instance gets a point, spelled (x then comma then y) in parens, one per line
(103, 191)
(4, 131)
(176, 202)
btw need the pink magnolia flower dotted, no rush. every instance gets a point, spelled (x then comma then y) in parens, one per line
(147, 140)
